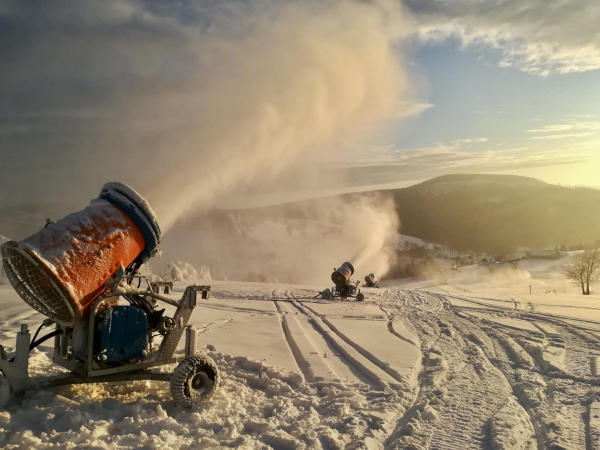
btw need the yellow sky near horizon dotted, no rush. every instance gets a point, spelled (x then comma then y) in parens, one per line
(584, 173)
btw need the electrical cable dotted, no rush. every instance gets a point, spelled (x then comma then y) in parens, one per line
(34, 344)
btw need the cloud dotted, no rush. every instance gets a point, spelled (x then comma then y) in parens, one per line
(401, 167)
(469, 140)
(407, 109)
(566, 127)
(563, 136)
(192, 101)
(537, 36)
(565, 130)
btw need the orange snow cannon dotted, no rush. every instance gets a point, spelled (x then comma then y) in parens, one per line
(64, 267)
(343, 287)
(79, 272)
(341, 275)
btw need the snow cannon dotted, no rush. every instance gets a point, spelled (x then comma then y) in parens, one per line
(343, 287)
(60, 270)
(341, 275)
(80, 272)
(370, 280)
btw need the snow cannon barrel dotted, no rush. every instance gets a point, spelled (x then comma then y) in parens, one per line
(60, 270)
(370, 280)
(341, 275)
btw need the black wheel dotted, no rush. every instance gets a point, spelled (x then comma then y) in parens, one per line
(360, 297)
(194, 380)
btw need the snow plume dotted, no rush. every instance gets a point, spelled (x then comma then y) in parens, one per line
(288, 83)
(193, 102)
(293, 243)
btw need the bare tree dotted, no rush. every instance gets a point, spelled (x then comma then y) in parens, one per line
(584, 268)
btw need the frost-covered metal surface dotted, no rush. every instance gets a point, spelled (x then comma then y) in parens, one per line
(139, 210)
(63, 267)
(84, 249)
(35, 284)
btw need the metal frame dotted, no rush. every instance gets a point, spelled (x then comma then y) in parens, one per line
(86, 369)
(334, 292)
(22, 286)
(156, 285)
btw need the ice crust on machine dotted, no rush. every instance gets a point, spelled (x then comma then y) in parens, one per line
(63, 267)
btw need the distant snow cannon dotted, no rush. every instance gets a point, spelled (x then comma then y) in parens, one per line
(79, 271)
(343, 287)
(341, 275)
(370, 280)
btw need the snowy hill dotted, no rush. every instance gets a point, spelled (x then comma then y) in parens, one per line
(497, 213)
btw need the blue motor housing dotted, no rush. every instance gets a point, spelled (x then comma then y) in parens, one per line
(122, 334)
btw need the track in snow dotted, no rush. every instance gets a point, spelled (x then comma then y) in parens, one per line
(405, 368)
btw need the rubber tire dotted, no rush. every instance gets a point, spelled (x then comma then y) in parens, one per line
(360, 297)
(198, 368)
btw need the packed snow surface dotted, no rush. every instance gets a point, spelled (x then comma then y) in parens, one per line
(455, 363)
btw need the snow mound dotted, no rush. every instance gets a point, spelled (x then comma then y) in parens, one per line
(256, 406)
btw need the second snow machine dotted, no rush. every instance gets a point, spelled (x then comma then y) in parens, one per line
(343, 288)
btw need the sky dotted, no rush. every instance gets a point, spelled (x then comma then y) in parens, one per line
(196, 102)
(514, 87)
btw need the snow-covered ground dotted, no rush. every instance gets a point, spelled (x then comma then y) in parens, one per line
(459, 362)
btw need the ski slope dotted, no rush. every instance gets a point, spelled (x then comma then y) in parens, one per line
(428, 367)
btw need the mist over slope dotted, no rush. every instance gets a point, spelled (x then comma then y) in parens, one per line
(300, 242)
(492, 213)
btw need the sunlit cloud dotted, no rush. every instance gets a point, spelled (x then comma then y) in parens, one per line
(566, 127)
(457, 157)
(563, 136)
(540, 37)
(408, 109)
(470, 140)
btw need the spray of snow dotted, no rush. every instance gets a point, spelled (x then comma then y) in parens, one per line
(296, 243)
(276, 83)
(184, 271)
(204, 102)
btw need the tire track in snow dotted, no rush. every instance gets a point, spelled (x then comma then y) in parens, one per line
(545, 414)
(369, 372)
(500, 364)
(301, 362)
(592, 429)
(464, 329)
(391, 329)
(365, 353)
(206, 326)
(536, 315)
(314, 349)
(410, 412)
